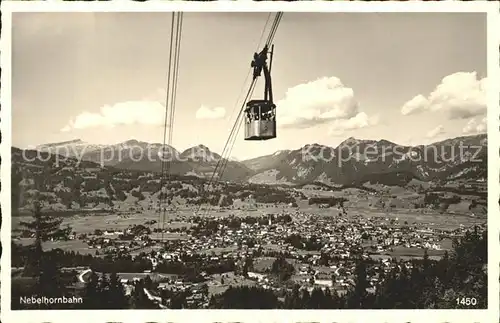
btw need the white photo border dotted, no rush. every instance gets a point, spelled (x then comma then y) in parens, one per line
(490, 315)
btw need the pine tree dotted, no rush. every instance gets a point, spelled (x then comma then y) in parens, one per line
(292, 300)
(213, 302)
(204, 289)
(117, 296)
(178, 301)
(16, 189)
(282, 268)
(437, 284)
(50, 279)
(444, 272)
(405, 289)
(103, 292)
(148, 282)
(469, 264)
(304, 298)
(316, 299)
(91, 293)
(46, 274)
(388, 291)
(139, 297)
(327, 300)
(358, 296)
(247, 266)
(427, 282)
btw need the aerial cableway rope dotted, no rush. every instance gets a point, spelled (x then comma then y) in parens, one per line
(243, 86)
(228, 147)
(236, 124)
(171, 96)
(239, 119)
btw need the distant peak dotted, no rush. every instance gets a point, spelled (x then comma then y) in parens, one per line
(200, 151)
(349, 141)
(281, 152)
(63, 143)
(385, 142)
(131, 142)
(201, 147)
(314, 145)
(197, 149)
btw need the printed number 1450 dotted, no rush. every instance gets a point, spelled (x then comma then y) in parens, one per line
(467, 301)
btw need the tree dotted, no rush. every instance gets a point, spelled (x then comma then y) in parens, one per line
(91, 295)
(358, 297)
(305, 299)
(139, 297)
(16, 190)
(213, 302)
(117, 297)
(292, 300)
(437, 284)
(178, 300)
(468, 262)
(281, 268)
(148, 282)
(247, 266)
(103, 292)
(50, 282)
(43, 227)
(316, 300)
(324, 259)
(427, 288)
(204, 289)
(244, 297)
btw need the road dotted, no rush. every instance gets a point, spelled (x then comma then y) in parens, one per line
(149, 295)
(83, 273)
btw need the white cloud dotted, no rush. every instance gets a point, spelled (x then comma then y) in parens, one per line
(462, 95)
(122, 113)
(210, 113)
(320, 101)
(361, 120)
(439, 130)
(66, 129)
(415, 105)
(474, 126)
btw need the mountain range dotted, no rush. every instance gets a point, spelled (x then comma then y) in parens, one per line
(353, 161)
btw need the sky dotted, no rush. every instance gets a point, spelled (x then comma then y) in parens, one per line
(411, 78)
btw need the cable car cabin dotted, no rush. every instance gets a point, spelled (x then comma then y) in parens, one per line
(260, 120)
(260, 115)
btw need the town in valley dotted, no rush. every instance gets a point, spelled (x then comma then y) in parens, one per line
(196, 244)
(353, 175)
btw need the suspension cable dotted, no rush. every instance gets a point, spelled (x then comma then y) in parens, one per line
(165, 125)
(239, 119)
(268, 44)
(223, 161)
(172, 104)
(250, 69)
(224, 150)
(171, 95)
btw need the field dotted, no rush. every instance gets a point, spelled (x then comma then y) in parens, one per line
(71, 245)
(89, 224)
(361, 204)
